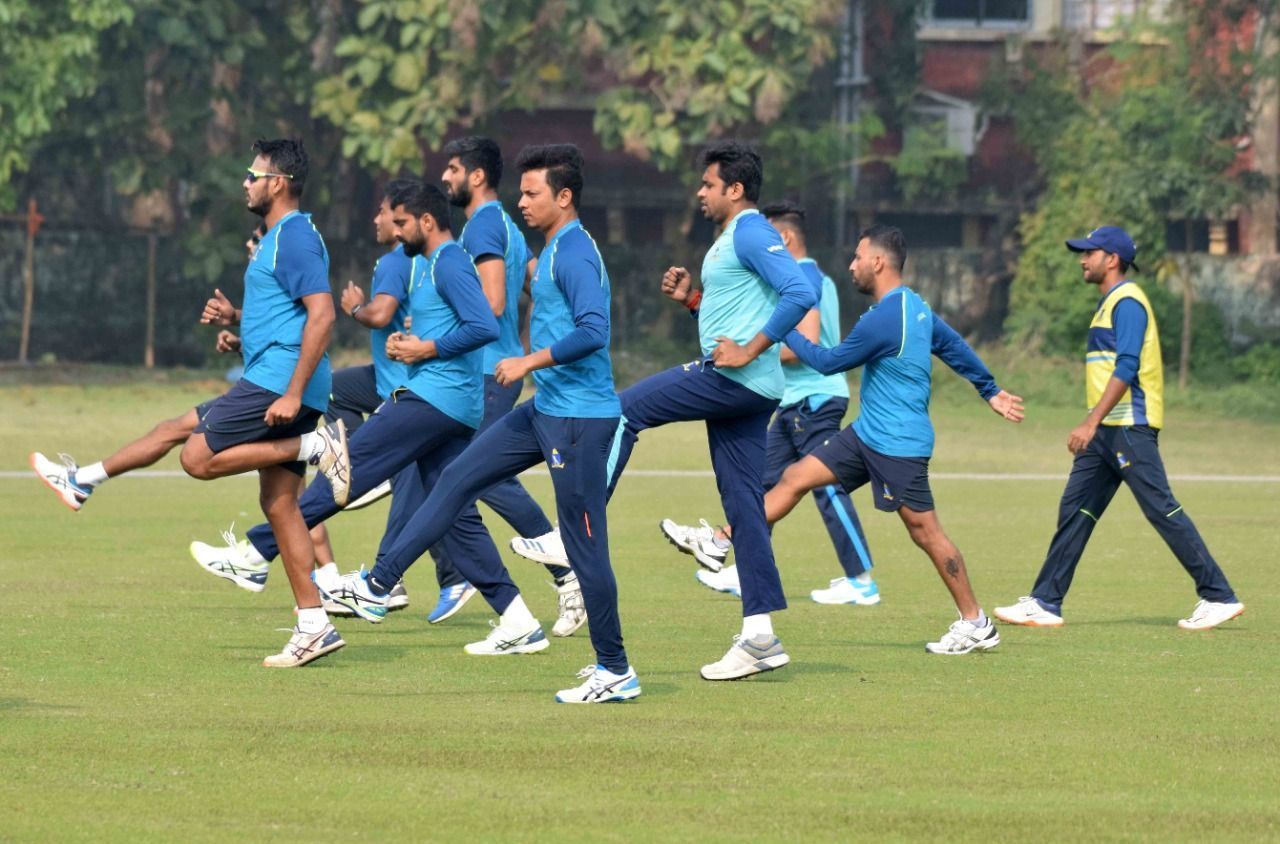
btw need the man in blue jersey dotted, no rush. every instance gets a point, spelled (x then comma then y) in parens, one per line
(503, 260)
(890, 442)
(812, 409)
(266, 421)
(753, 293)
(1118, 443)
(358, 391)
(73, 484)
(570, 425)
(427, 420)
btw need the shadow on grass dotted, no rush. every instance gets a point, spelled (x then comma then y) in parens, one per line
(22, 704)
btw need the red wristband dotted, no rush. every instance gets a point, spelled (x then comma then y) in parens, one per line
(693, 301)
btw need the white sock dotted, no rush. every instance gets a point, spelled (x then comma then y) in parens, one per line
(312, 620)
(90, 475)
(757, 625)
(723, 543)
(328, 573)
(251, 554)
(864, 578)
(518, 616)
(310, 445)
(980, 621)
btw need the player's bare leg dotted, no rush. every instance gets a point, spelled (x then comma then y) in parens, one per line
(201, 462)
(926, 531)
(153, 445)
(801, 478)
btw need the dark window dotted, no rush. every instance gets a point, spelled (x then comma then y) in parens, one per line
(981, 12)
(927, 231)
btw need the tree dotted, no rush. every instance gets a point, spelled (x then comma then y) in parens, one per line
(1143, 133)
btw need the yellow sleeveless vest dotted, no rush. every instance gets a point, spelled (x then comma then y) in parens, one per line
(1143, 402)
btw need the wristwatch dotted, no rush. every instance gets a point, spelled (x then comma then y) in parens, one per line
(356, 310)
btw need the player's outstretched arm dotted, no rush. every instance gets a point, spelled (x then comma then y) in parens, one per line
(877, 334)
(950, 348)
(1008, 406)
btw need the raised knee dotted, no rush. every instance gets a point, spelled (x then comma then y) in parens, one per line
(194, 465)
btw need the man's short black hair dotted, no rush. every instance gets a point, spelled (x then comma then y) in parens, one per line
(418, 198)
(787, 213)
(563, 163)
(287, 156)
(738, 163)
(889, 239)
(476, 152)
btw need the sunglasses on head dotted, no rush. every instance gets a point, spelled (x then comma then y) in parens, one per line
(255, 175)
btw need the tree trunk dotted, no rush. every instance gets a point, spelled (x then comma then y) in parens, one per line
(28, 280)
(149, 355)
(1188, 299)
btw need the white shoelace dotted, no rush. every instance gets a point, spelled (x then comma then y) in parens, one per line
(229, 536)
(69, 462)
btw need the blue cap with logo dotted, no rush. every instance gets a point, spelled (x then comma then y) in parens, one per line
(1111, 239)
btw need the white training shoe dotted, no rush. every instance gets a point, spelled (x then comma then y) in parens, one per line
(1029, 612)
(231, 561)
(847, 590)
(573, 613)
(547, 549)
(602, 686)
(334, 462)
(725, 580)
(61, 479)
(305, 647)
(747, 656)
(1209, 614)
(965, 636)
(321, 575)
(352, 590)
(374, 495)
(502, 641)
(699, 542)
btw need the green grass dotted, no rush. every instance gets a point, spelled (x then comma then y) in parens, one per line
(132, 705)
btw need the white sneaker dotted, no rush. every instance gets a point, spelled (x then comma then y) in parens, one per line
(231, 561)
(335, 461)
(330, 607)
(61, 479)
(602, 686)
(305, 647)
(964, 636)
(397, 598)
(374, 495)
(725, 580)
(353, 592)
(547, 549)
(747, 656)
(573, 613)
(696, 541)
(502, 641)
(846, 590)
(1209, 614)
(1029, 613)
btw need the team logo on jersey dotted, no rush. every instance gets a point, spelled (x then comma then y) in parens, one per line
(557, 462)
(777, 247)
(1122, 461)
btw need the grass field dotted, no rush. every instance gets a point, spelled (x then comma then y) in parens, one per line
(132, 704)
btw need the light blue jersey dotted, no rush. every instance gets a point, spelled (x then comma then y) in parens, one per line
(448, 306)
(805, 381)
(391, 276)
(571, 318)
(491, 232)
(751, 284)
(291, 262)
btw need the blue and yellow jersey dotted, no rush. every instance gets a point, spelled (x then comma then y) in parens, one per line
(291, 262)
(1109, 335)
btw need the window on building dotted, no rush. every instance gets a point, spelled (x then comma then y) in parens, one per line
(991, 13)
(927, 231)
(1105, 14)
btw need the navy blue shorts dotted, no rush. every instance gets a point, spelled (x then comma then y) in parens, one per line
(895, 481)
(203, 408)
(239, 417)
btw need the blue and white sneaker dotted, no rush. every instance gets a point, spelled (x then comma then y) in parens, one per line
(602, 686)
(352, 591)
(306, 647)
(502, 641)
(237, 561)
(547, 549)
(747, 656)
(847, 590)
(725, 580)
(452, 599)
(61, 479)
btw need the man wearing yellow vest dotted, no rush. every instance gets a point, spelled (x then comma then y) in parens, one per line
(1117, 442)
